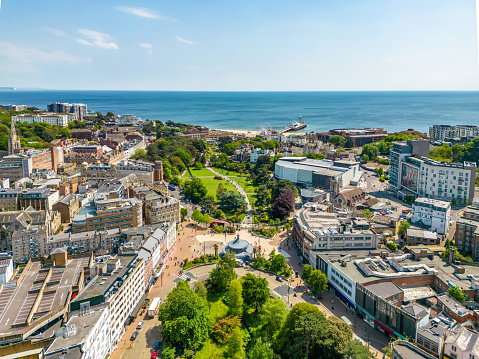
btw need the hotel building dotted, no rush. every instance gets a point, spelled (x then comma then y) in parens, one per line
(412, 174)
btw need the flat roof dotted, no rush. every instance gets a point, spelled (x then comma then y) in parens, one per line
(16, 302)
(100, 286)
(384, 290)
(83, 326)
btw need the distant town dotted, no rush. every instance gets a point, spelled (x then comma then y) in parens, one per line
(126, 238)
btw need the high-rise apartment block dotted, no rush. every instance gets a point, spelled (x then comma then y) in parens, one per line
(412, 174)
(79, 109)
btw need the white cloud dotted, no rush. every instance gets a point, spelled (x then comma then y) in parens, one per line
(143, 12)
(185, 41)
(147, 46)
(55, 31)
(96, 38)
(18, 58)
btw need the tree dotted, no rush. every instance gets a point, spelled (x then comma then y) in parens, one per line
(140, 154)
(277, 263)
(357, 350)
(349, 142)
(220, 214)
(318, 281)
(272, 316)
(234, 300)
(183, 213)
(185, 317)
(456, 293)
(403, 228)
(392, 246)
(208, 203)
(337, 140)
(284, 338)
(223, 273)
(255, 291)
(283, 184)
(197, 216)
(365, 158)
(272, 144)
(261, 350)
(262, 196)
(168, 352)
(284, 204)
(235, 345)
(366, 213)
(216, 249)
(307, 270)
(370, 150)
(200, 290)
(195, 190)
(307, 335)
(232, 201)
(183, 155)
(220, 190)
(441, 153)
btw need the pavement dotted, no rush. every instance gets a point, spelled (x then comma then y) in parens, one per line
(188, 246)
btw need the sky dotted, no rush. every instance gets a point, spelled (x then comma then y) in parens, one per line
(247, 45)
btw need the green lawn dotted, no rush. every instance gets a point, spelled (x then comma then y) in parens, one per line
(211, 185)
(243, 181)
(204, 172)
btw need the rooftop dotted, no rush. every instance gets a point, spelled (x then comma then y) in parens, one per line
(17, 301)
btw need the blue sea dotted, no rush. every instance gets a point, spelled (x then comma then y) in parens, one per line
(394, 111)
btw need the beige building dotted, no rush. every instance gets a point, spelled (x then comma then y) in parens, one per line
(68, 207)
(108, 214)
(157, 206)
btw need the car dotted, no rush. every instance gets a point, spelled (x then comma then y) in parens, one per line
(154, 355)
(279, 279)
(134, 335)
(157, 344)
(140, 325)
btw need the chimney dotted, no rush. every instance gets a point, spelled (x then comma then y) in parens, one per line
(451, 255)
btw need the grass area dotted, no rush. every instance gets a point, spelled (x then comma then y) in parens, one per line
(211, 185)
(204, 172)
(243, 181)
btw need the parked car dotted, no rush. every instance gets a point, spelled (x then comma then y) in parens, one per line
(134, 335)
(157, 345)
(140, 325)
(279, 278)
(154, 355)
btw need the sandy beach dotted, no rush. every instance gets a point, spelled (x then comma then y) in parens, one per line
(241, 132)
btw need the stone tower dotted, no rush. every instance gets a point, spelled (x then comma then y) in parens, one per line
(13, 140)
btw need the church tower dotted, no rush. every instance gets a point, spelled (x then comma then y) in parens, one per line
(13, 140)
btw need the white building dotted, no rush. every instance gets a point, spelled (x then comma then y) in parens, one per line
(317, 173)
(6, 269)
(413, 174)
(463, 344)
(258, 152)
(433, 213)
(441, 132)
(341, 284)
(127, 119)
(86, 335)
(57, 119)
